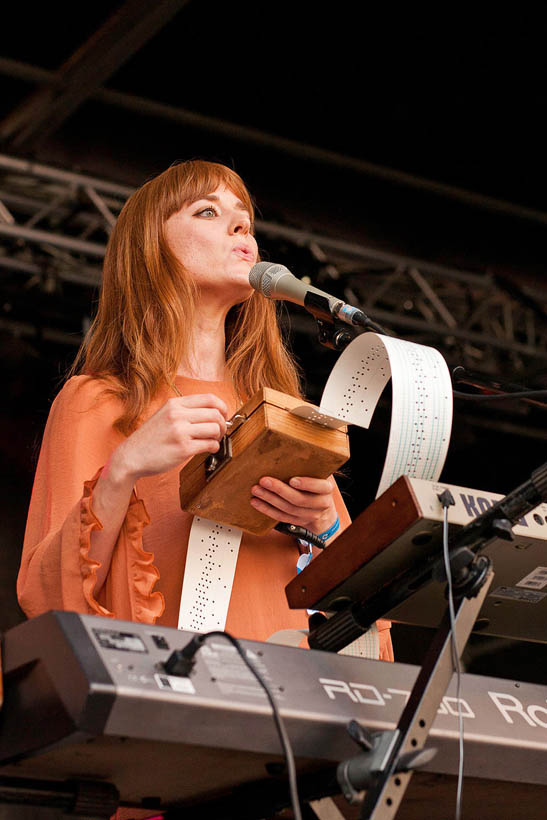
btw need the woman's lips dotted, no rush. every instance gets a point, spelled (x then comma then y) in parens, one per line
(244, 253)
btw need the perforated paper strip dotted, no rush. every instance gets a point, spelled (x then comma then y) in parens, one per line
(208, 575)
(421, 416)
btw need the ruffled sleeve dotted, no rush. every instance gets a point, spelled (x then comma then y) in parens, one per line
(57, 571)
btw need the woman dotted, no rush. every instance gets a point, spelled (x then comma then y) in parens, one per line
(180, 339)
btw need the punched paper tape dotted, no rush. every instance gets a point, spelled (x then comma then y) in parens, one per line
(208, 575)
(366, 646)
(421, 416)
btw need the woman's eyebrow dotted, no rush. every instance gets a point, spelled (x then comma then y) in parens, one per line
(214, 198)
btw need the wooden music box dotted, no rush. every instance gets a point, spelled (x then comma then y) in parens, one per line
(272, 434)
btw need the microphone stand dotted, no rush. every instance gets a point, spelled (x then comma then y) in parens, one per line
(333, 332)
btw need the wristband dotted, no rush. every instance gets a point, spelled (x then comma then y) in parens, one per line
(331, 530)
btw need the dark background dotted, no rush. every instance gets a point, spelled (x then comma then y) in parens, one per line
(455, 102)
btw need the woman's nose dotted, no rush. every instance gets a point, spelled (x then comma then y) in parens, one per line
(240, 223)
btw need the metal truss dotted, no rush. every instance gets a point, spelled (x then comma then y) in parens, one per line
(481, 315)
(233, 131)
(54, 225)
(481, 320)
(110, 46)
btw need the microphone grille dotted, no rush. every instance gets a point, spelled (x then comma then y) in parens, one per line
(261, 276)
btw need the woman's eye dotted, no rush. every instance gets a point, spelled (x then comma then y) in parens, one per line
(207, 212)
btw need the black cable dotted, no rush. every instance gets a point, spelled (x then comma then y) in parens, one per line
(301, 533)
(188, 654)
(447, 501)
(362, 320)
(379, 329)
(521, 394)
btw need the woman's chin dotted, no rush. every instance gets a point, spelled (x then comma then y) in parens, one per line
(229, 294)
(239, 283)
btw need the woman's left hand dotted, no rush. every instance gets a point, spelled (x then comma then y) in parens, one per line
(306, 502)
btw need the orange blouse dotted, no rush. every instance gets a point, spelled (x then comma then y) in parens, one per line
(145, 579)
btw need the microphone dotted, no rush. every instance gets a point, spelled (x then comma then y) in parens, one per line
(277, 282)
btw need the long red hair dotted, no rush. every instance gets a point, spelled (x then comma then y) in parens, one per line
(143, 326)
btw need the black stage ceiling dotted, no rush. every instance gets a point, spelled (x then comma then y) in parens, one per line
(425, 119)
(416, 137)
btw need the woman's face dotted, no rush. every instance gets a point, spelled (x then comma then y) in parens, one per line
(211, 238)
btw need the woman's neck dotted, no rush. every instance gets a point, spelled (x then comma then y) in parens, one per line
(207, 358)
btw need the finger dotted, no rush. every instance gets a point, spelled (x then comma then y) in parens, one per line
(300, 498)
(207, 445)
(301, 519)
(313, 485)
(273, 512)
(305, 511)
(203, 400)
(179, 414)
(205, 430)
(205, 414)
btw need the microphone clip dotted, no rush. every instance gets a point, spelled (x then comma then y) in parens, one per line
(331, 333)
(335, 336)
(337, 322)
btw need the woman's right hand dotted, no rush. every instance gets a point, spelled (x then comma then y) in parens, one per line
(183, 427)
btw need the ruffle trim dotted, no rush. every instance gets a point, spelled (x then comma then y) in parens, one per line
(146, 604)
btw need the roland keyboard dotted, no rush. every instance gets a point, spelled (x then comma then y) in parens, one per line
(87, 697)
(403, 527)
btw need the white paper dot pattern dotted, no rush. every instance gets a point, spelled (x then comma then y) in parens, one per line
(365, 646)
(208, 575)
(357, 382)
(421, 417)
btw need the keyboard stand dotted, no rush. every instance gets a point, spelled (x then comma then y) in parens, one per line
(385, 766)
